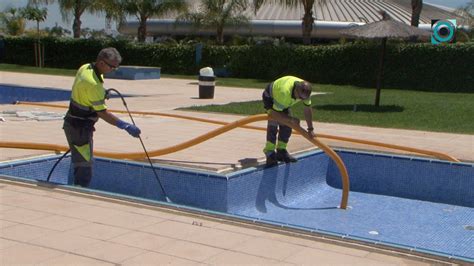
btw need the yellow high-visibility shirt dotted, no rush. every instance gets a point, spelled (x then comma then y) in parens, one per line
(88, 89)
(282, 93)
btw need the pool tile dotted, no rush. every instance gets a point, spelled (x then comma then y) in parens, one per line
(172, 229)
(5, 224)
(391, 257)
(25, 233)
(109, 251)
(58, 223)
(237, 258)
(71, 259)
(24, 254)
(142, 240)
(22, 215)
(268, 248)
(5, 243)
(218, 238)
(128, 220)
(190, 251)
(64, 241)
(153, 258)
(309, 256)
(98, 231)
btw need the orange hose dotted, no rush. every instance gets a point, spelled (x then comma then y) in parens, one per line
(197, 140)
(435, 154)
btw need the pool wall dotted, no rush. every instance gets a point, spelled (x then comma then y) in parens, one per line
(285, 185)
(11, 93)
(407, 177)
(404, 177)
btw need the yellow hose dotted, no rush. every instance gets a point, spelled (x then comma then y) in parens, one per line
(197, 140)
(435, 154)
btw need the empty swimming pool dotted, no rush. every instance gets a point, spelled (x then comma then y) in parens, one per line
(12, 93)
(404, 202)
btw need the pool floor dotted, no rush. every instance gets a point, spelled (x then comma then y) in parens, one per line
(427, 227)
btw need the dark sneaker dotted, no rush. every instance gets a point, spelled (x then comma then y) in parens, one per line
(284, 156)
(271, 159)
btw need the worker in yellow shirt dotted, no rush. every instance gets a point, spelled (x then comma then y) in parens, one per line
(87, 104)
(278, 97)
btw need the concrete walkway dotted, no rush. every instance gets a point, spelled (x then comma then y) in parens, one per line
(59, 227)
(56, 227)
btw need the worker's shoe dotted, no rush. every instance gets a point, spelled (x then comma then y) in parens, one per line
(282, 155)
(271, 159)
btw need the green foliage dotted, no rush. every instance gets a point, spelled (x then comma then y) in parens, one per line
(216, 14)
(412, 66)
(57, 31)
(35, 13)
(12, 21)
(409, 66)
(145, 9)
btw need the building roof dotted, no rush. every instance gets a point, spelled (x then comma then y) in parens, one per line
(365, 11)
(282, 21)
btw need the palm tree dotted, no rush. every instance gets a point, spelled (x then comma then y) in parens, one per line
(113, 9)
(308, 19)
(218, 14)
(13, 22)
(76, 8)
(36, 14)
(416, 7)
(467, 13)
(144, 9)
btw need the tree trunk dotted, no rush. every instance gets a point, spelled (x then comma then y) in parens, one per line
(142, 30)
(416, 7)
(220, 35)
(76, 27)
(380, 72)
(308, 21)
(37, 29)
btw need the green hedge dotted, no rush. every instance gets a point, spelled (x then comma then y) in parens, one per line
(408, 66)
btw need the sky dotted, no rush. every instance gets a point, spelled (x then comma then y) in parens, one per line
(97, 22)
(54, 16)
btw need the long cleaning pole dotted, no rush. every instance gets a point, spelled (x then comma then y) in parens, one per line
(141, 141)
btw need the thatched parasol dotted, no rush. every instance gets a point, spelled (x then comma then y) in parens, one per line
(384, 29)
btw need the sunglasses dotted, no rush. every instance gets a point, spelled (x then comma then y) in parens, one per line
(110, 65)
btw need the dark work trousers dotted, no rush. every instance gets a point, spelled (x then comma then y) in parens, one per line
(80, 142)
(273, 127)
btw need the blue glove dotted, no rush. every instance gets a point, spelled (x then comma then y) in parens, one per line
(131, 129)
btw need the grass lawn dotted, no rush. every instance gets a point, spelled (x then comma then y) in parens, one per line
(36, 70)
(429, 111)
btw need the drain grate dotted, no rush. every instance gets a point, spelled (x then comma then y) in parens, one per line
(469, 227)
